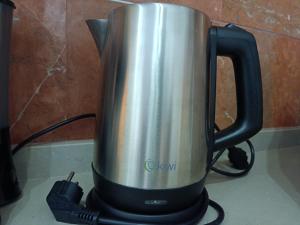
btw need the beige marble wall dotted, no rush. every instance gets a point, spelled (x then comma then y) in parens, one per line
(55, 71)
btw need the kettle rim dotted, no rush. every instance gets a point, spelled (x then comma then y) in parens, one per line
(127, 6)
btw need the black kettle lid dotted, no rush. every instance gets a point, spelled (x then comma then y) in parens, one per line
(8, 2)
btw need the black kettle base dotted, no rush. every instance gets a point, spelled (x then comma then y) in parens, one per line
(189, 216)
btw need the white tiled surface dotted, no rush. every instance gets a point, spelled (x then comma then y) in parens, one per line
(269, 195)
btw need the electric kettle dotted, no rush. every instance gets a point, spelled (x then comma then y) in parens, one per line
(9, 188)
(155, 123)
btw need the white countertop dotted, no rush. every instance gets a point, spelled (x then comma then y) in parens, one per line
(269, 195)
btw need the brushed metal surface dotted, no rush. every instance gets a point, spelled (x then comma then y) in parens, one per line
(5, 32)
(151, 131)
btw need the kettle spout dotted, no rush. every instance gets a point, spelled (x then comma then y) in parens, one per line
(98, 28)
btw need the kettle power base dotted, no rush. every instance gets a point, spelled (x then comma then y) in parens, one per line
(188, 216)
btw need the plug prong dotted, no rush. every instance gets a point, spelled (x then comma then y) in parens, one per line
(71, 175)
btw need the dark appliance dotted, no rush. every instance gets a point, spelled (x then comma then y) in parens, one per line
(9, 187)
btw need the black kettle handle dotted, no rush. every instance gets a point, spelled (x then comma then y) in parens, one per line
(240, 46)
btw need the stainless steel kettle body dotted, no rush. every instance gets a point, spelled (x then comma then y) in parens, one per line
(155, 133)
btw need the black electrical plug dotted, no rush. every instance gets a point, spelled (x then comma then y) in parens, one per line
(238, 158)
(64, 202)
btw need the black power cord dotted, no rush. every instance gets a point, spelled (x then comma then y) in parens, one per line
(50, 129)
(65, 196)
(237, 157)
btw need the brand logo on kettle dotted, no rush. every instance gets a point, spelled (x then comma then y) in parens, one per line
(151, 166)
